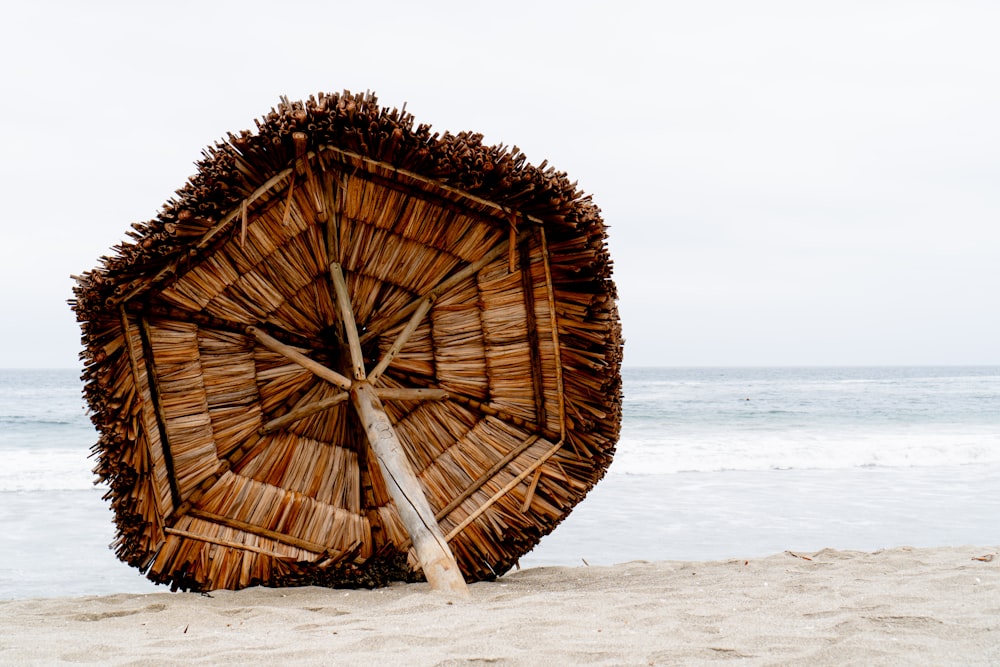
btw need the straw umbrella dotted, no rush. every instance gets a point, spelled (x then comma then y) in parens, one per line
(352, 351)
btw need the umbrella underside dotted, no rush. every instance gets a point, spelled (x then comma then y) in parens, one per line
(243, 457)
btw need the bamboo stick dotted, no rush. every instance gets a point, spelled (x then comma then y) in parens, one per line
(243, 223)
(531, 326)
(266, 187)
(240, 211)
(196, 494)
(154, 390)
(288, 202)
(314, 189)
(531, 491)
(337, 190)
(133, 359)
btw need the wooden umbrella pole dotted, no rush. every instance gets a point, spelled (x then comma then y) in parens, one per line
(433, 552)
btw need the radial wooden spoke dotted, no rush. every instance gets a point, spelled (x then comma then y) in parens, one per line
(303, 411)
(454, 279)
(347, 315)
(292, 354)
(403, 337)
(405, 394)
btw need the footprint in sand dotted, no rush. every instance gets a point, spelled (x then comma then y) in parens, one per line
(104, 615)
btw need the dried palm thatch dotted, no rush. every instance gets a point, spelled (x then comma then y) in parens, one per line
(335, 307)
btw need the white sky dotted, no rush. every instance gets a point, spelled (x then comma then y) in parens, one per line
(785, 182)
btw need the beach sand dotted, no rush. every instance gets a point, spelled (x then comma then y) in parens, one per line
(937, 606)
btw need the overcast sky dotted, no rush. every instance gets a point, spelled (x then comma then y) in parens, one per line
(785, 182)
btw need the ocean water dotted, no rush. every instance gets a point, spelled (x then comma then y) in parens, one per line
(713, 463)
(717, 463)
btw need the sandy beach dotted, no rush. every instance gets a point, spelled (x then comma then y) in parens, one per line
(900, 606)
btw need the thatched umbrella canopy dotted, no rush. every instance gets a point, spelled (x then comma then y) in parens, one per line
(350, 350)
